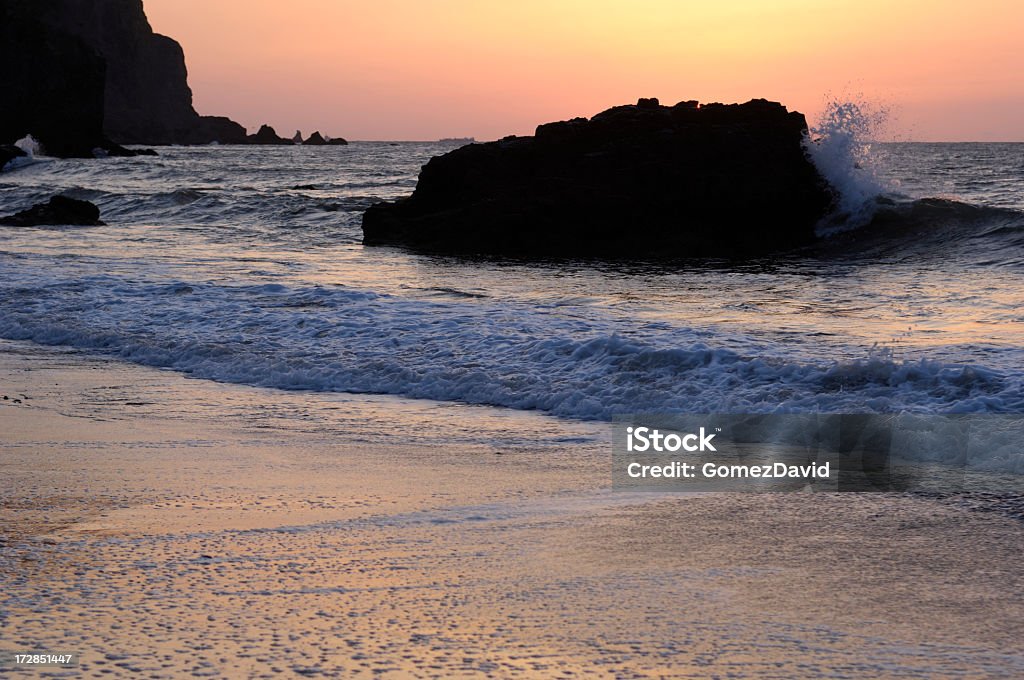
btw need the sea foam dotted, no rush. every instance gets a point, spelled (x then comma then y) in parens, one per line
(839, 144)
(519, 356)
(32, 149)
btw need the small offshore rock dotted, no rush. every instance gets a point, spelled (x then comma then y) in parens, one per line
(59, 210)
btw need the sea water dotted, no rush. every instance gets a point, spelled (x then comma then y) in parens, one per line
(244, 265)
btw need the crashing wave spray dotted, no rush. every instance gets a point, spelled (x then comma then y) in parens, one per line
(29, 145)
(840, 148)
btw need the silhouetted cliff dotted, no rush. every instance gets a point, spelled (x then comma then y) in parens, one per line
(51, 82)
(78, 70)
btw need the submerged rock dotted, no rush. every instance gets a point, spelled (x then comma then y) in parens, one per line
(644, 180)
(57, 211)
(114, 150)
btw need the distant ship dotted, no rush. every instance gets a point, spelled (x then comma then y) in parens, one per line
(456, 140)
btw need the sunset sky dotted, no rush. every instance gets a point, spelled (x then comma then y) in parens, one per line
(418, 69)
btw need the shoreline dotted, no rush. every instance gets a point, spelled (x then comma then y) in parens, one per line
(212, 529)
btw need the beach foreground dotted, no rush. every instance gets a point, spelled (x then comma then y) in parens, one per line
(171, 527)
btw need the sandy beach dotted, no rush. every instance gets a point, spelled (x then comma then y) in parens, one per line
(165, 526)
(559, 340)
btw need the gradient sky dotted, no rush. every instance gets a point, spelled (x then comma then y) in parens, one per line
(423, 69)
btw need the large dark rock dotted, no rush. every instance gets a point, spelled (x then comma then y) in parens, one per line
(77, 74)
(267, 135)
(643, 180)
(82, 71)
(217, 129)
(316, 139)
(147, 97)
(58, 210)
(51, 83)
(8, 152)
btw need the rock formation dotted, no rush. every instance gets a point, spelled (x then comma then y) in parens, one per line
(297, 137)
(219, 129)
(52, 83)
(643, 180)
(267, 135)
(8, 152)
(78, 72)
(316, 139)
(147, 98)
(59, 210)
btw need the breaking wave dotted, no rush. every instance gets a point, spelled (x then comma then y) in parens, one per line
(839, 145)
(873, 219)
(930, 230)
(339, 339)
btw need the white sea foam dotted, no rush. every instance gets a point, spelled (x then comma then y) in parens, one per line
(839, 144)
(29, 145)
(32, 149)
(339, 339)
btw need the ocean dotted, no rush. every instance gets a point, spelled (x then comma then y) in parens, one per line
(244, 265)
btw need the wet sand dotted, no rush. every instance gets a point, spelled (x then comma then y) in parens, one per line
(170, 527)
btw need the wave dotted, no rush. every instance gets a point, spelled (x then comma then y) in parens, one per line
(838, 145)
(240, 213)
(872, 219)
(480, 352)
(228, 192)
(32, 149)
(928, 230)
(30, 145)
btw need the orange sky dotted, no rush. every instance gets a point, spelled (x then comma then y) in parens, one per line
(423, 69)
